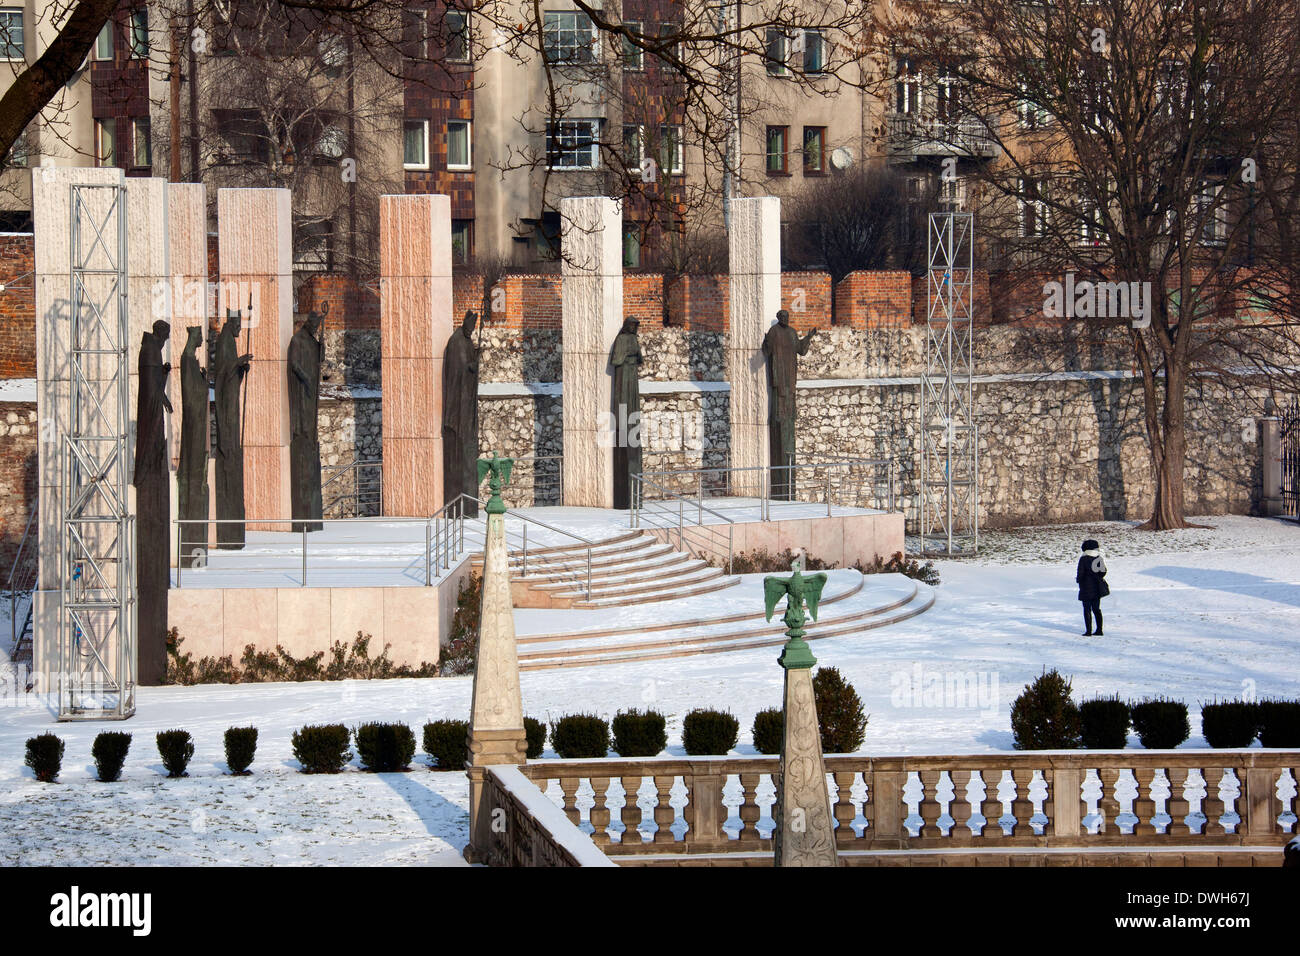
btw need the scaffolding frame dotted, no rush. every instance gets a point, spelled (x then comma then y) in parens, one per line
(949, 488)
(97, 627)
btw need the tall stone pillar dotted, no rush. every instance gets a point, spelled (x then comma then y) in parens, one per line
(255, 245)
(754, 251)
(592, 311)
(1270, 441)
(415, 322)
(496, 726)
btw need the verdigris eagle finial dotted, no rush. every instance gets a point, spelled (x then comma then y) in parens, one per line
(798, 590)
(499, 470)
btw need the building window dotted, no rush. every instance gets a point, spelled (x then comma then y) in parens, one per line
(1212, 213)
(946, 104)
(11, 33)
(105, 142)
(331, 144)
(1030, 114)
(568, 37)
(631, 246)
(777, 52)
(1092, 226)
(313, 245)
(670, 56)
(458, 50)
(1032, 209)
(462, 239)
(20, 153)
(633, 55)
(907, 87)
(415, 144)
(952, 194)
(139, 36)
(141, 149)
(245, 135)
(778, 138)
(104, 43)
(814, 150)
(633, 146)
(458, 145)
(573, 144)
(814, 51)
(671, 158)
(415, 33)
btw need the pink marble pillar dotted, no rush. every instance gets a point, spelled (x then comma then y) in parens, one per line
(415, 322)
(255, 245)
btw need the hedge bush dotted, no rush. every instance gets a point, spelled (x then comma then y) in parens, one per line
(385, 748)
(447, 742)
(322, 748)
(1233, 723)
(1044, 717)
(709, 732)
(535, 735)
(45, 756)
(768, 727)
(638, 734)
(839, 712)
(241, 745)
(1279, 723)
(1104, 723)
(109, 750)
(580, 735)
(176, 747)
(1161, 724)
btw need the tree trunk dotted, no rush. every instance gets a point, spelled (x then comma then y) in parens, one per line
(1169, 454)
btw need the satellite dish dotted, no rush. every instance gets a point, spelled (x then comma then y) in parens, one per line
(841, 158)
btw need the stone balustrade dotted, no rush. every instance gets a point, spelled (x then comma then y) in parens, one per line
(526, 829)
(1044, 801)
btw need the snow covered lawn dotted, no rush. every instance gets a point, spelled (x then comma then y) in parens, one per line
(1193, 614)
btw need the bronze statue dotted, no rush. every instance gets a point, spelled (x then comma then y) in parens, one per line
(192, 469)
(782, 346)
(460, 416)
(153, 507)
(228, 377)
(304, 442)
(625, 358)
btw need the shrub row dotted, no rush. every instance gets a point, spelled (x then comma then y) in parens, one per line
(1044, 717)
(110, 748)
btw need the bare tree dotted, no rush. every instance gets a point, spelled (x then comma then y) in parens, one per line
(1139, 142)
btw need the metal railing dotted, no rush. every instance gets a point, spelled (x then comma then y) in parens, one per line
(657, 513)
(848, 483)
(581, 573)
(363, 496)
(22, 580)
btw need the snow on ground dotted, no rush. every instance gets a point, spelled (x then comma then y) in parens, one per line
(1196, 614)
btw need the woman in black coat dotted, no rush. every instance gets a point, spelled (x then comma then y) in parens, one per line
(1091, 578)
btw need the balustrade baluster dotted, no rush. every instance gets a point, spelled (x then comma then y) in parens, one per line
(1144, 804)
(1108, 806)
(569, 787)
(928, 807)
(664, 814)
(750, 812)
(1179, 806)
(844, 810)
(960, 808)
(600, 811)
(1022, 807)
(991, 805)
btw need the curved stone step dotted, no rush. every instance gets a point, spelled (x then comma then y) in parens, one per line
(712, 584)
(611, 572)
(703, 572)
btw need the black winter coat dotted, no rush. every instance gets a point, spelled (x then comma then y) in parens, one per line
(1091, 580)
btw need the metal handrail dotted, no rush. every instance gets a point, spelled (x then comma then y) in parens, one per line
(639, 511)
(528, 519)
(354, 467)
(20, 581)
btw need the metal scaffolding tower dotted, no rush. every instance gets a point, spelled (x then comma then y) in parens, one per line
(97, 646)
(949, 489)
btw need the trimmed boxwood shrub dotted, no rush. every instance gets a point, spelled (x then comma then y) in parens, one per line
(709, 732)
(447, 742)
(322, 748)
(1161, 724)
(535, 735)
(241, 745)
(1279, 723)
(45, 756)
(1233, 723)
(580, 735)
(385, 748)
(109, 750)
(1044, 717)
(638, 734)
(768, 727)
(839, 712)
(176, 747)
(1104, 723)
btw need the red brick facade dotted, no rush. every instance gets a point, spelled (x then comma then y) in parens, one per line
(17, 308)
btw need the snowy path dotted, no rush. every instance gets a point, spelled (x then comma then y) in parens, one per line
(1194, 614)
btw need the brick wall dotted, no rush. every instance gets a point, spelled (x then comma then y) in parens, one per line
(17, 308)
(874, 300)
(699, 303)
(982, 313)
(352, 307)
(807, 297)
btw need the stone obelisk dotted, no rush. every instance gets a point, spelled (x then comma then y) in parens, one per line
(805, 830)
(496, 724)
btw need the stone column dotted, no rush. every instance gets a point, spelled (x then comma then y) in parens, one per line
(415, 322)
(255, 245)
(592, 311)
(146, 239)
(754, 250)
(1270, 441)
(496, 726)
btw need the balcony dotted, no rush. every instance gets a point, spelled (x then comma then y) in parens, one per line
(913, 137)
